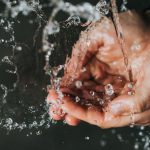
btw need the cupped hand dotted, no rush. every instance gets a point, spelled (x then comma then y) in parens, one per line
(96, 62)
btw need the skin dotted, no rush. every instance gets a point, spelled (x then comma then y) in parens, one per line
(104, 62)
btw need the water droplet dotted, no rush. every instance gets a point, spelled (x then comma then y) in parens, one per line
(136, 145)
(123, 6)
(78, 84)
(38, 132)
(18, 48)
(102, 7)
(83, 69)
(142, 127)
(109, 90)
(72, 20)
(2, 21)
(92, 93)
(77, 99)
(2, 40)
(88, 43)
(135, 46)
(130, 85)
(103, 143)
(9, 121)
(131, 93)
(87, 138)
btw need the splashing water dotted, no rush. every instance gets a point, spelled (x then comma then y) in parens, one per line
(109, 89)
(7, 23)
(103, 7)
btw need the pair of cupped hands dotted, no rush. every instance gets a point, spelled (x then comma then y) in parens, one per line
(104, 64)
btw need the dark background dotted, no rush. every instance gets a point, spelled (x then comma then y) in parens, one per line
(59, 136)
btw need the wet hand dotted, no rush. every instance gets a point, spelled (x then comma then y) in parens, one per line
(103, 64)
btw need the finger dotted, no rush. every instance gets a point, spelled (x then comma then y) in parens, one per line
(124, 105)
(53, 112)
(52, 97)
(146, 123)
(85, 93)
(93, 86)
(73, 92)
(79, 93)
(72, 120)
(56, 112)
(90, 115)
(96, 88)
(94, 116)
(98, 70)
(99, 118)
(143, 118)
(111, 121)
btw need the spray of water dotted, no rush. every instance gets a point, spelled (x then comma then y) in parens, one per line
(51, 26)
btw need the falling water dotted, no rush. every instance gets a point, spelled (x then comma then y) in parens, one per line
(120, 35)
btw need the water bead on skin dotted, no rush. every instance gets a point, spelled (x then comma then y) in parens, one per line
(83, 69)
(109, 90)
(136, 46)
(77, 99)
(78, 84)
(92, 93)
(130, 93)
(130, 85)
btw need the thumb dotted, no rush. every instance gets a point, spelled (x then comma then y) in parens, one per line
(124, 105)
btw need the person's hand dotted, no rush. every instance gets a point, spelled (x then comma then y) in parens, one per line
(103, 64)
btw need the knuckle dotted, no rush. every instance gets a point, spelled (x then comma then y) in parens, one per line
(139, 107)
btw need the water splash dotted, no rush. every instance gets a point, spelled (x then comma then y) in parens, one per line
(109, 90)
(123, 6)
(9, 17)
(103, 7)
